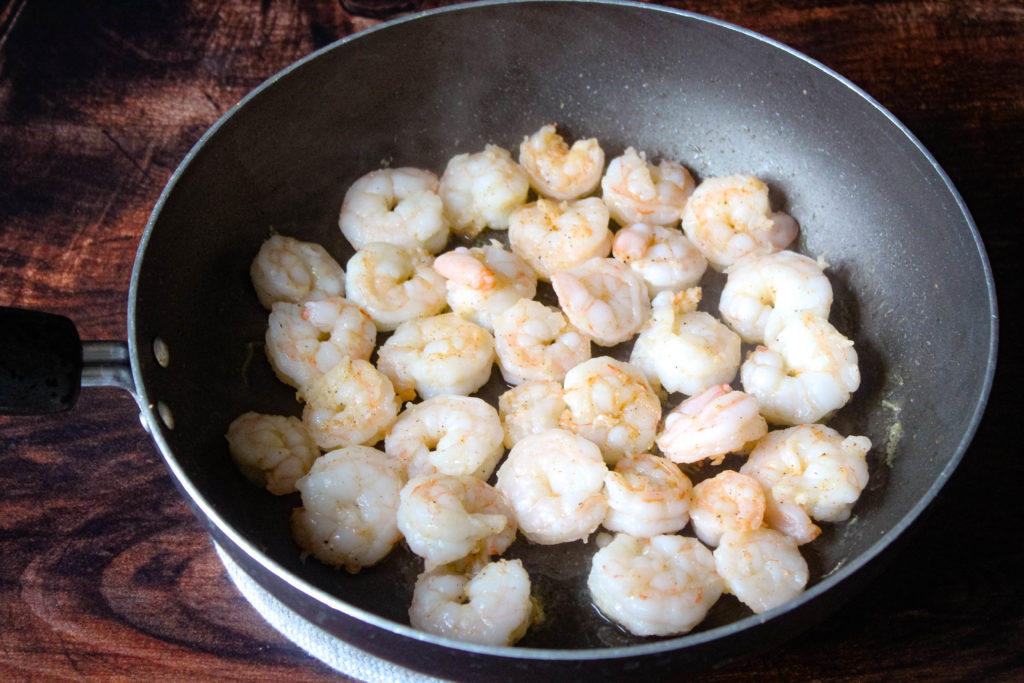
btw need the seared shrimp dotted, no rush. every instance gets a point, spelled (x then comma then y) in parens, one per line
(806, 371)
(761, 567)
(442, 354)
(604, 299)
(664, 257)
(729, 501)
(447, 434)
(399, 206)
(489, 607)
(394, 284)
(637, 191)
(349, 508)
(684, 349)
(536, 342)
(657, 586)
(553, 236)
(612, 404)
(557, 170)
(712, 424)
(351, 404)
(271, 451)
(484, 281)
(286, 269)
(446, 518)
(530, 408)
(554, 481)
(730, 217)
(480, 190)
(303, 341)
(762, 291)
(647, 495)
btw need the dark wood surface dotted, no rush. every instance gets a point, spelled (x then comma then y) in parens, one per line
(104, 572)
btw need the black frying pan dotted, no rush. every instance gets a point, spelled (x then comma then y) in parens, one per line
(912, 282)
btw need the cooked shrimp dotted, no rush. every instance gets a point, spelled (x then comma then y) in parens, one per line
(351, 404)
(762, 291)
(557, 170)
(530, 408)
(637, 191)
(604, 299)
(807, 371)
(491, 607)
(447, 434)
(664, 257)
(303, 341)
(399, 206)
(729, 501)
(554, 481)
(612, 404)
(658, 586)
(442, 354)
(535, 342)
(647, 495)
(712, 424)
(761, 567)
(553, 236)
(684, 349)
(271, 451)
(446, 518)
(286, 269)
(480, 190)
(730, 217)
(394, 284)
(349, 508)
(812, 466)
(484, 281)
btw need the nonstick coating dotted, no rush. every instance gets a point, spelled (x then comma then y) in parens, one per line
(912, 283)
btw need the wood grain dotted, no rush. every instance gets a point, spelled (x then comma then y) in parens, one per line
(104, 573)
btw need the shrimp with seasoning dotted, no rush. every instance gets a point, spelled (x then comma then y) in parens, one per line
(271, 451)
(557, 170)
(648, 495)
(664, 257)
(351, 404)
(394, 284)
(729, 501)
(399, 206)
(637, 191)
(604, 299)
(481, 189)
(287, 269)
(762, 567)
(484, 281)
(536, 342)
(530, 408)
(712, 424)
(553, 236)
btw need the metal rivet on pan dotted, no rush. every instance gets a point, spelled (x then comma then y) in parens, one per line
(161, 352)
(165, 414)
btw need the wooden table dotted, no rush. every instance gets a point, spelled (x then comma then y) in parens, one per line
(103, 570)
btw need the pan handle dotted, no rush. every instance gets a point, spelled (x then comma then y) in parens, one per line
(44, 363)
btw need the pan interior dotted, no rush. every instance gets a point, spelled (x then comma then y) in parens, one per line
(911, 281)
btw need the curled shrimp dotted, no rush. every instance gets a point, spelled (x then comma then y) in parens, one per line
(554, 481)
(446, 519)
(806, 371)
(683, 349)
(604, 299)
(657, 586)
(648, 495)
(557, 170)
(394, 284)
(442, 354)
(481, 189)
(712, 424)
(537, 342)
(447, 434)
(484, 281)
(760, 292)
(349, 508)
(399, 206)
(664, 257)
(611, 404)
(271, 451)
(303, 341)
(287, 269)
(729, 501)
(637, 191)
(489, 607)
(730, 217)
(761, 567)
(553, 236)
(351, 404)
(530, 408)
